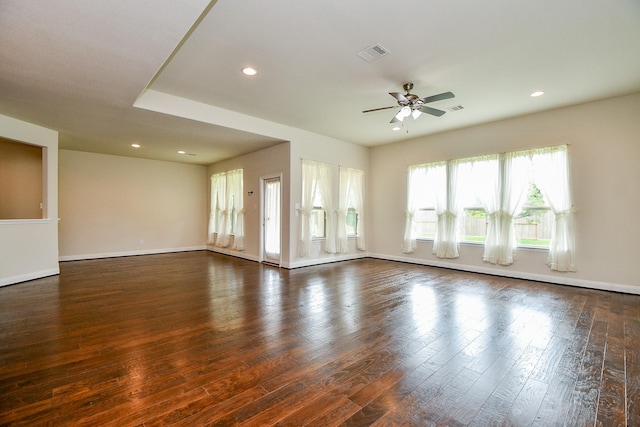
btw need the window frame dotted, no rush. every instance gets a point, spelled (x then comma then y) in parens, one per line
(354, 233)
(315, 211)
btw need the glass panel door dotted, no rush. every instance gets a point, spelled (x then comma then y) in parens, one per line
(271, 221)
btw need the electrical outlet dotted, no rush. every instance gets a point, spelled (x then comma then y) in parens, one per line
(142, 241)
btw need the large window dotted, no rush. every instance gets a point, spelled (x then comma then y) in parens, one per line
(226, 218)
(320, 219)
(533, 224)
(502, 201)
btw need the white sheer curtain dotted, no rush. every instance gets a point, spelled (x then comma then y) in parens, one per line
(416, 178)
(312, 173)
(448, 207)
(357, 197)
(351, 196)
(235, 205)
(501, 206)
(342, 242)
(326, 195)
(230, 206)
(223, 214)
(217, 197)
(422, 182)
(308, 190)
(552, 177)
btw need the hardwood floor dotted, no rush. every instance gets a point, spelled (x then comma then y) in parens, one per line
(198, 339)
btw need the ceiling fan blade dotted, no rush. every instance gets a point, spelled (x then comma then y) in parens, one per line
(394, 120)
(432, 111)
(379, 109)
(400, 97)
(439, 97)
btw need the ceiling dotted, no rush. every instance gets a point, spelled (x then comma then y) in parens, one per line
(79, 67)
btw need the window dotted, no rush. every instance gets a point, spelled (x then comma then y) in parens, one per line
(425, 223)
(351, 222)
(534, 222)
(318, 222)
(504, 201)
(477, 178)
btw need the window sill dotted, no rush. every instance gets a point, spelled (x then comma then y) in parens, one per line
(471, 243)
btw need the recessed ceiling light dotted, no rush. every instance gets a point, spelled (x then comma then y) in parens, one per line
(395, 128)
(537, 93)
(135, 145)
(248, 71)
(182, 152)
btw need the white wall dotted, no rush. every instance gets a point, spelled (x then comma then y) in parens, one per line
(108, 204)
(29, 248)
(268, 162)
(604, 147)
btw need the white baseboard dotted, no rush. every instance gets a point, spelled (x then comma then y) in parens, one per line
(29, 276)
(129, 253)
(568, 281)
(231, 252)
(327, 260)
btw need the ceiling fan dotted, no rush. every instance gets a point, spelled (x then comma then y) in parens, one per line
(412, 105)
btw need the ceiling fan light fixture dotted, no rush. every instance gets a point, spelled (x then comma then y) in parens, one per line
(403, 113)
(416, 114)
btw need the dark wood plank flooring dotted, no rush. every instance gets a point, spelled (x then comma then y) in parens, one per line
(199, 339)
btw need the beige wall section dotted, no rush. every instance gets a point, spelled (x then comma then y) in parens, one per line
(604, 144)
(110, 204)
(29, 248)
(20, 180)
(269, 162)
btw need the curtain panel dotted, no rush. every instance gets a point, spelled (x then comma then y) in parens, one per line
(552, 176)
(227, 210)
(217, 186)
(235, 206)
(423, 182)
(324, 172)
(506, 201)
(448, 208)
(311, 186)
(351, 197)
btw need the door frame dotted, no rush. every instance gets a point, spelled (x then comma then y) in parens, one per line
(263, 180)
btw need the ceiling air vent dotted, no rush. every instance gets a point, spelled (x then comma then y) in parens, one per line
(456, 108)
(372, 53)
